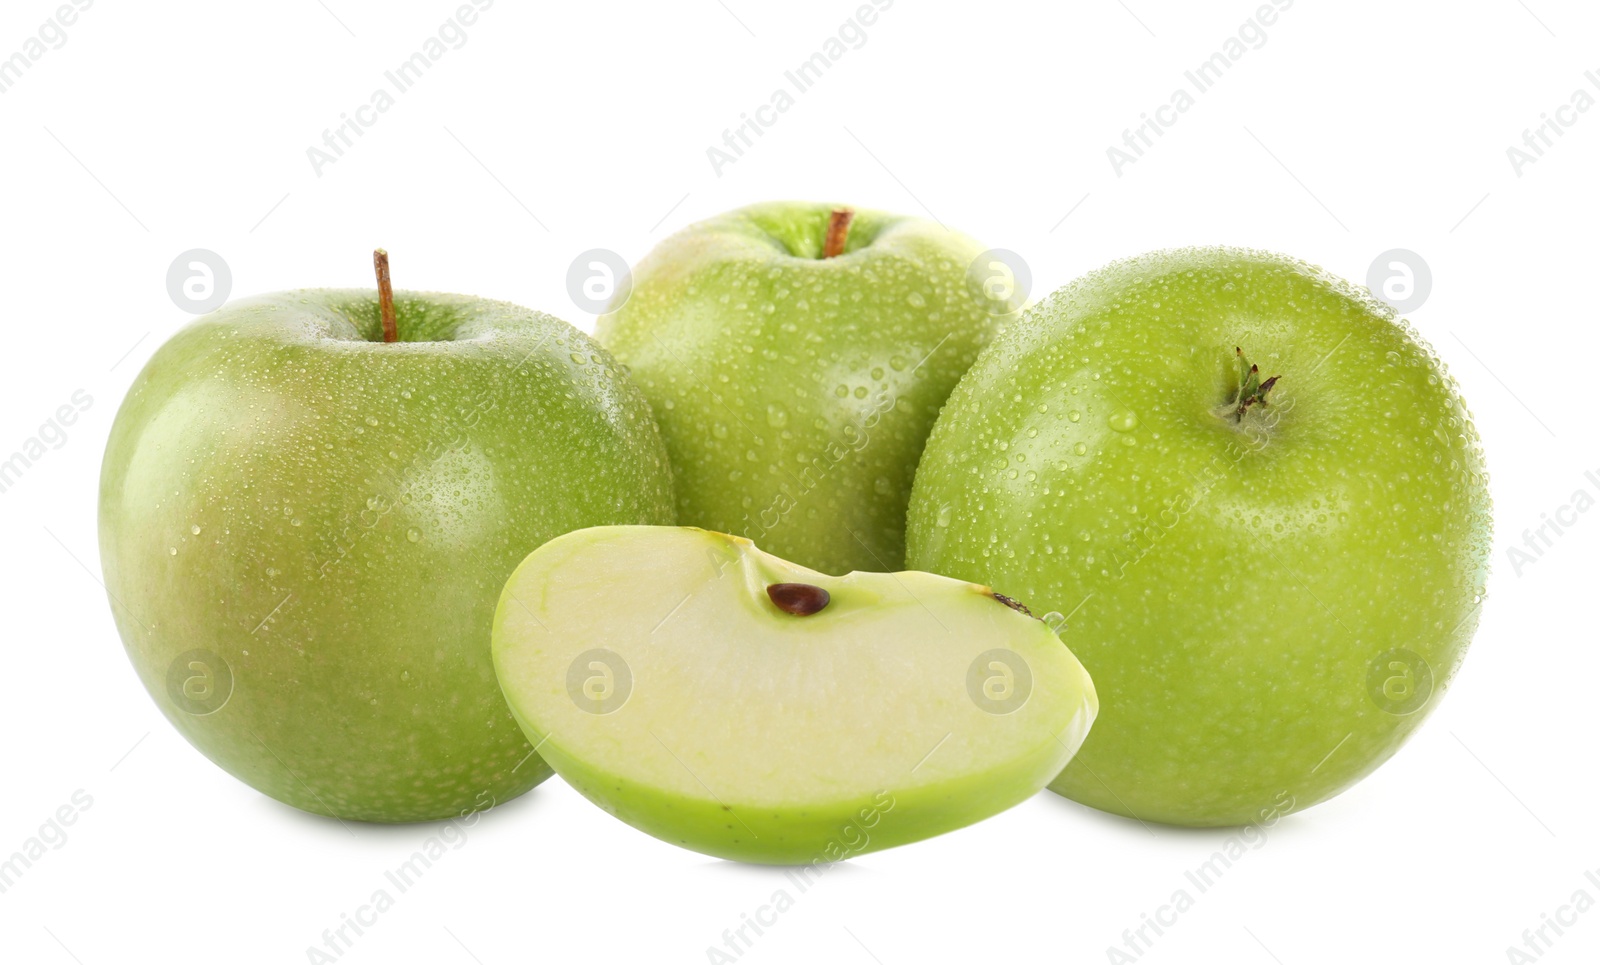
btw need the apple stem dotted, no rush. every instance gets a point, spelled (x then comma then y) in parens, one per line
(380, 263)
(1252, 388)
(838, 231)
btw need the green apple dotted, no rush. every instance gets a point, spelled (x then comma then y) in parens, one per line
(1272, 573)
(730, 702)
(304, 531)
(794, 382)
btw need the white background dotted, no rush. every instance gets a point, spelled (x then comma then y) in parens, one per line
(1356, 128)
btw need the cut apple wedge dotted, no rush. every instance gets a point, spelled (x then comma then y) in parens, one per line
(727, 701)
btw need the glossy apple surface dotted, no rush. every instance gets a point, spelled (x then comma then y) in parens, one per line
(304, 531)
(728, 701)
(795, 391)
(1271, 600)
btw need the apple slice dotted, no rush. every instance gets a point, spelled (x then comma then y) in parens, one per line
(731, 702)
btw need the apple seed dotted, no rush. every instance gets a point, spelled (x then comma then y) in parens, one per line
(801, 599)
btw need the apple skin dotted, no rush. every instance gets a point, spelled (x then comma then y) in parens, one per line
(330, 519)
(834, 830)
(1233, 587)
(795, 392)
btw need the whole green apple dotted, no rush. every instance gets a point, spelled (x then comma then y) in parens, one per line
(796, 356)
(1272, 571)
(304, 531)
(746, 707)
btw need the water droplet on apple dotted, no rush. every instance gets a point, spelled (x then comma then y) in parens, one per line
(1122, 421)
(1073, 416)
(777, 415)
(915, 300)
(372, 420)
(413, 535)
(943, 519)
(195, 529)
(1080, 448)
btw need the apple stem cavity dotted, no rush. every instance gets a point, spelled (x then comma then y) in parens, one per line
(380, 263)
(838, 232)
(1252, 388)
(800, 599)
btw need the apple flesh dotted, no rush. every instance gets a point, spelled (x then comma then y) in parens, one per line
(795, 386)
(1271, 595)
(736, 704)
(304, 531)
